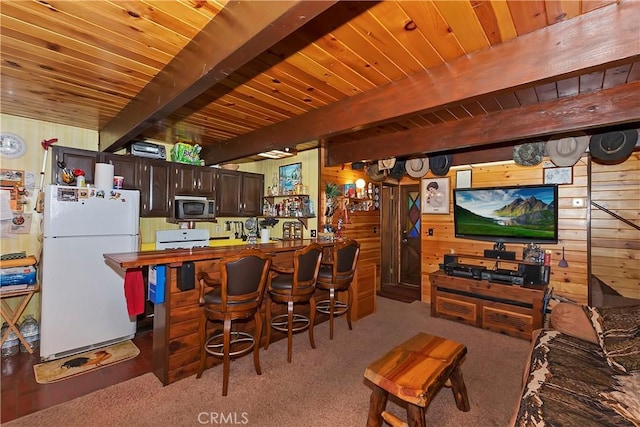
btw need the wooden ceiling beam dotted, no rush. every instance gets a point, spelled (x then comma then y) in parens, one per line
(558, 50)
(239, 33)
(483, 155)
(617, 105)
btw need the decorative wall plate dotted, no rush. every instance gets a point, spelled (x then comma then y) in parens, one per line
(12, 146)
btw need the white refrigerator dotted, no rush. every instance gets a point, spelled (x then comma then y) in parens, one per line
(82, 297)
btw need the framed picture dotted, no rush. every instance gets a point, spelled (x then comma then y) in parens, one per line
(435, 195)
(290, 175)
(558, 175)
(463, 178)
(349, 190)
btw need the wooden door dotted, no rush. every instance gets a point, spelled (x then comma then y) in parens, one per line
(191, 180)
(155, 200)
(389, 234)
(410, 239)
(252, 192)
(207, 178)
(185, 180)
(228, 196)
(125, 166)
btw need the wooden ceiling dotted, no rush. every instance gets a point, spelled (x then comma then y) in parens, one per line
(367, 80)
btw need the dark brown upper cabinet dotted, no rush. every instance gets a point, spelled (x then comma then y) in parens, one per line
(239, 193)
(155, 195)
(126, 166)
(190, 180)
(72, 158)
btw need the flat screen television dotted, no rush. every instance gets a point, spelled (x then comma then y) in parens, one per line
(516, 214)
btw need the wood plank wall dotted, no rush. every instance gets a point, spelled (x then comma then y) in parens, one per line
(570, 282)
(362, 226)
(615, 245)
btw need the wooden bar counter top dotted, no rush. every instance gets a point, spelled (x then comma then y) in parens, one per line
(128, 260)
(176, 351)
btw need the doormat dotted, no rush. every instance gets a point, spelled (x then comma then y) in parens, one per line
(71, 366)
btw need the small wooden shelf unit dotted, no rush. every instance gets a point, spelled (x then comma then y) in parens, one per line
(11, 314)
(509, 309)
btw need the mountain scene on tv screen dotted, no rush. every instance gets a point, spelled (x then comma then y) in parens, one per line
(500, 213)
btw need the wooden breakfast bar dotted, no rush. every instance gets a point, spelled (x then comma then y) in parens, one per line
(176, 351)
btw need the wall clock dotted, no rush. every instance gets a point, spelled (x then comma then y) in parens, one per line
(12, 146)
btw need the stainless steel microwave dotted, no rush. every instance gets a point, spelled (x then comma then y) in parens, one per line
(192, 208)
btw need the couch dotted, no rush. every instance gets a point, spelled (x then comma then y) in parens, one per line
(584, 370)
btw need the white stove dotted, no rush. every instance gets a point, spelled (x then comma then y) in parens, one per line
(182, 239)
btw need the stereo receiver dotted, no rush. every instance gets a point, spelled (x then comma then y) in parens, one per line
(464, 270)
(508, 277)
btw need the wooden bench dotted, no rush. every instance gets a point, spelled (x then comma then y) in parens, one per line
(415, 371)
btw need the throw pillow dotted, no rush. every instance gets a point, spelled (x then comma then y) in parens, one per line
(570, 319)
(618, 332)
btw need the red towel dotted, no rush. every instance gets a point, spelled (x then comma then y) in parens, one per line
(134, 291)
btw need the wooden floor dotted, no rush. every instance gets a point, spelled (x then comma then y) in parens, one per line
(22, 395)
(400, 293)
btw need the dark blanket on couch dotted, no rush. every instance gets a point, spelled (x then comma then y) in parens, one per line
(571, 384)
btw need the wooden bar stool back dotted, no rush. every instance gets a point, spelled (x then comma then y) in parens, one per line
(244, 278)
(415, 371)
(293, 285)
(336, 276)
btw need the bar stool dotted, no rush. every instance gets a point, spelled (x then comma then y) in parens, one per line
(291, 286)
(244, 277)
(335, 276)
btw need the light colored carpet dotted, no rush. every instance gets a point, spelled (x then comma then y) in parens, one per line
(61, 369)
(321, 387)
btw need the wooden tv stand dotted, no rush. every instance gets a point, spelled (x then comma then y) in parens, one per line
(508, 309)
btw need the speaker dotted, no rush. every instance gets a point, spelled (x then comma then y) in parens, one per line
(534, 274)
(450, 259)
(510, 255)
(187, 276)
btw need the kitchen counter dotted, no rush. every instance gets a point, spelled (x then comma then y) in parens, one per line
(128, 260)
(176, 340)
(214, 243)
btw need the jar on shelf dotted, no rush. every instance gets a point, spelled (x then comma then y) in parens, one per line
(296, 230)
(275, 184)
(286, 230)
(11, 345)
(31, 333)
